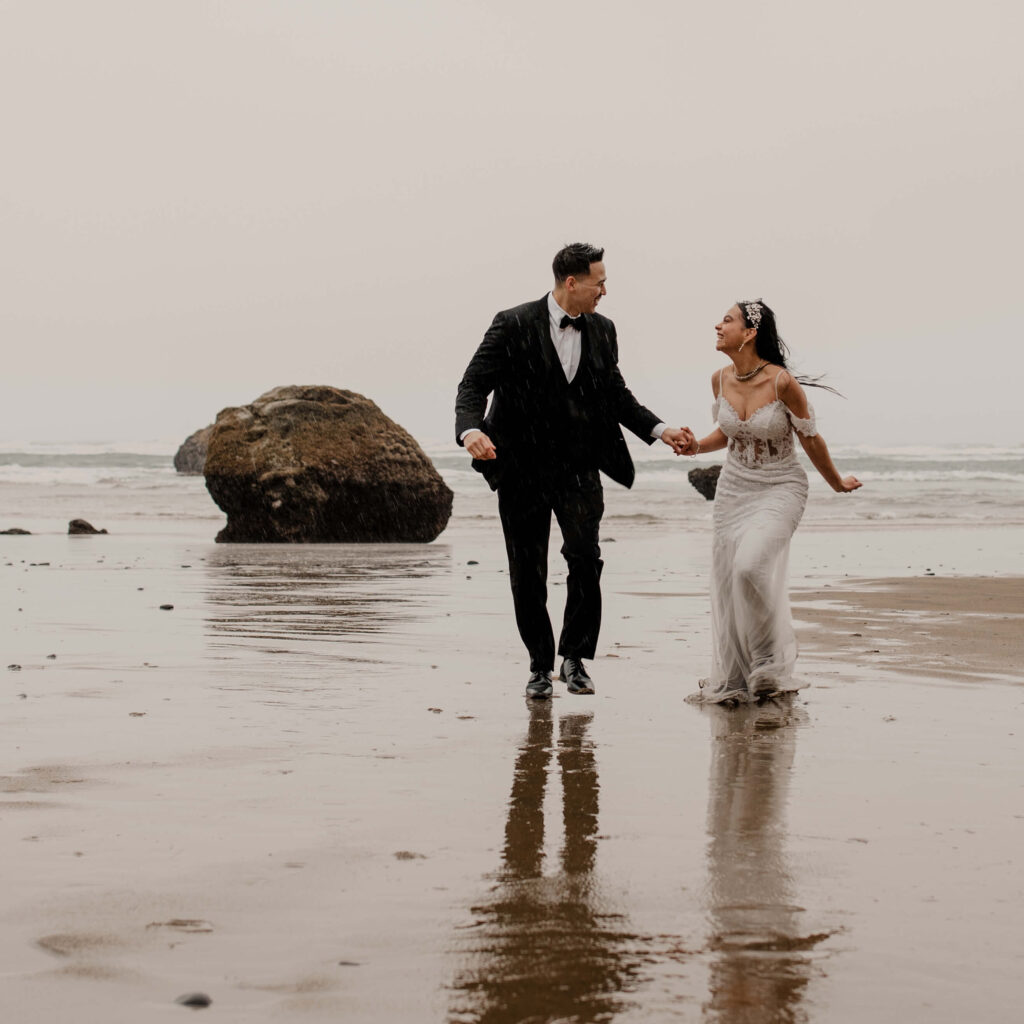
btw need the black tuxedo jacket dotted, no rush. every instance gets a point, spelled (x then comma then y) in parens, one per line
(535, 413)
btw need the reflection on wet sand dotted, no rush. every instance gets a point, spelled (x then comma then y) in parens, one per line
(762, 957)
(308, 594)
(548, 947)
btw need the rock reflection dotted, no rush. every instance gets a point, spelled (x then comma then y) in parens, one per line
(361, 605)
(548, 947)
(762, 961)
(327, 593)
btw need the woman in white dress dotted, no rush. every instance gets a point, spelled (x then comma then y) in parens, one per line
(761, 494)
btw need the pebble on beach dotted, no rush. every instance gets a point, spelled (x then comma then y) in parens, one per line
(196, 1000)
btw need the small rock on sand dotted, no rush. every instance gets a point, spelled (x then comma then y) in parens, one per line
(196, 1000)
(81, 526)
(705, 480)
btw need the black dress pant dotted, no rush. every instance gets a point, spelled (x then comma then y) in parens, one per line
(525, 507)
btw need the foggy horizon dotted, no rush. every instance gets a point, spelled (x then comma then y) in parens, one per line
(207, 201)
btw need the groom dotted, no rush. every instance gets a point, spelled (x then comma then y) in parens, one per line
(553, 422)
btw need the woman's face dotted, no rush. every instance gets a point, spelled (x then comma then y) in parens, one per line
(732, 332)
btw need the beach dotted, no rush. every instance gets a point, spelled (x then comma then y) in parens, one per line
(312, 790)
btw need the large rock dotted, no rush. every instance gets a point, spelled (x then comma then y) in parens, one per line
(705, 480)
(191, 456)
(315, 464)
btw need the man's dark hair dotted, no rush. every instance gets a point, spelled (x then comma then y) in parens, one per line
(574, 260)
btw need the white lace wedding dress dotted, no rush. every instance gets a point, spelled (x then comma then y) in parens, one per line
(760, 498)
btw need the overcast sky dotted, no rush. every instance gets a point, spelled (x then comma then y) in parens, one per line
(204, 200)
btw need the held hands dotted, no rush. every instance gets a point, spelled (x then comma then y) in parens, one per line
(693, 448)
(479, 445)
(681, 440)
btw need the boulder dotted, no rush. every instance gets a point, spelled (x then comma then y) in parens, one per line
(15, 531)
(191, 456)
(80, 526)
(705, 480)
(308, 464)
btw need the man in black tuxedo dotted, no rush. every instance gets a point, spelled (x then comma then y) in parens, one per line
(553, 423)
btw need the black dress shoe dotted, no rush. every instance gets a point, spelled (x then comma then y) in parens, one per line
(539, 686)
(575, 676)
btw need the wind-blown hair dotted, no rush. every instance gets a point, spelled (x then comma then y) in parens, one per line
(574, 260)
(770, 347)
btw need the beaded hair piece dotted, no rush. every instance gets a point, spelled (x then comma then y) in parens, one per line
(752, 312)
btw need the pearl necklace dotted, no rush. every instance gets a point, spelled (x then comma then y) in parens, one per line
(749, 376)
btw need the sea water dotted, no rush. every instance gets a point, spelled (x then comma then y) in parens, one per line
(42, 485)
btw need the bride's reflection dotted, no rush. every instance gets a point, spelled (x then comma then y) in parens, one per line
(762, 953)
(547, 947)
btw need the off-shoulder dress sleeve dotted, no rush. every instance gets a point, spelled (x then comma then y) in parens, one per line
(805, 427)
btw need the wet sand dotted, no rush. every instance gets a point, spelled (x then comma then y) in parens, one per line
(956, 628)
(313, 791)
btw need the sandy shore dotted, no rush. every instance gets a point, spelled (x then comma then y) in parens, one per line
(955, 628)
(312, 790)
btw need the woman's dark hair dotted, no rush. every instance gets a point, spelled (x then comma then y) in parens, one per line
(574, 260)
(768, 344)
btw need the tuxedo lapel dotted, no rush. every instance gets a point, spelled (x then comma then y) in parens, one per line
(586, 344)
(540, 338)
(594, 350)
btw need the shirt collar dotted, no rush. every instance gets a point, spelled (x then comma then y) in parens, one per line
(555, 311)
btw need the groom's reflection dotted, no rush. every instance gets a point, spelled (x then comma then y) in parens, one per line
(545, 947)
(759, 936)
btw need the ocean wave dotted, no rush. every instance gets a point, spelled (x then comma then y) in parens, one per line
(160, 447)
(454, 470)
(931, 453)
(87, 475)
(676, 475)
(78, 460)
(937, 475)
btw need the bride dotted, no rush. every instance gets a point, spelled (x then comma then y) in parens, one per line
(761, 495)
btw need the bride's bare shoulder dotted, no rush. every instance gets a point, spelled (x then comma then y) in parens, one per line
(792, 393)
(785, 382)
(716, 380)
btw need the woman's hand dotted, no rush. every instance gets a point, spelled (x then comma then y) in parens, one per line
(847, 484)
(678, 440)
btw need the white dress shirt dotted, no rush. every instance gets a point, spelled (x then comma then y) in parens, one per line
(568, 343)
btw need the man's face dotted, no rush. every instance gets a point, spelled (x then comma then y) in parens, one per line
(585, 292)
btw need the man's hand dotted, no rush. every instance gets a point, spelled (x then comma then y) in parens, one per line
(680, 440)
(478, 444)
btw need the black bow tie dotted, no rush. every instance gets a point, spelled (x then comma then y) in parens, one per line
(572, 321)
